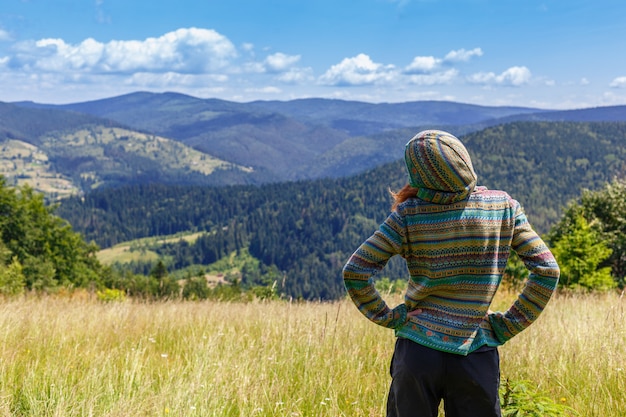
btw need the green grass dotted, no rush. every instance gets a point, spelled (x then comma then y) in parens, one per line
(75, 356)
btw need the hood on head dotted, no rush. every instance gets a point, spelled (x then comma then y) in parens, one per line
(440, 166)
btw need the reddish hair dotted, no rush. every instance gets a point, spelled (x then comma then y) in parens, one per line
(401, 196)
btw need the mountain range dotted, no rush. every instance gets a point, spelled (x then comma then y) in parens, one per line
(307, 229)
(172, 138)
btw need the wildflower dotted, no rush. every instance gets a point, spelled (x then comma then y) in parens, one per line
(563, 399)
(164, 355)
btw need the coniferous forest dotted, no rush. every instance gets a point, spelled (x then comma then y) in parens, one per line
(304, 231)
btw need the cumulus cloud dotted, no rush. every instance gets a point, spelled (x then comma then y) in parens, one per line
(274, 63)
(358, 70)
(280, 62)
(430, 64)
(619, 82)
(514, 76)
(461, 55)
(184, 50)
(422, 65)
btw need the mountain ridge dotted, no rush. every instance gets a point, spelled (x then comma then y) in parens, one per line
(286, 140)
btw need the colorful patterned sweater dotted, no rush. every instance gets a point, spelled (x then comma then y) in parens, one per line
(456, 252)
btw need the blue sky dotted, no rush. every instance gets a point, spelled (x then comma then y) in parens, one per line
(538, 53)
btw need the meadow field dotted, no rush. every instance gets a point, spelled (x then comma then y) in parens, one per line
(77, 356)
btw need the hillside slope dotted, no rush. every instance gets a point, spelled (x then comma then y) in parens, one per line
(60, 152)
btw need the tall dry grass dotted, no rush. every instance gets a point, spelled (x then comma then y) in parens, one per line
(68, 357)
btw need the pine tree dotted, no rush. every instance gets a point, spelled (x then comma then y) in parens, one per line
(579, 254)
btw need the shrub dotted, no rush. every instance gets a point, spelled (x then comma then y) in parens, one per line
(111, 295)
(519, 400)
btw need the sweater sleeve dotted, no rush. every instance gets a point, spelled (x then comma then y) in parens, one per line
(541, 283)
(365, 262)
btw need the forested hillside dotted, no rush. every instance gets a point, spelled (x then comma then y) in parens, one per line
(307, 229)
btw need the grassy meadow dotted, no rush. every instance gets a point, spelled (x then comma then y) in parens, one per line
(77, 356)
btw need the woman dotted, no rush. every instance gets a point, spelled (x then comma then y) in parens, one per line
(456, 239)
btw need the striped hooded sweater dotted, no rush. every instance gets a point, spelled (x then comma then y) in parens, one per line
(456, 239)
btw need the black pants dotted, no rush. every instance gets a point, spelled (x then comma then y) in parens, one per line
(423, 377)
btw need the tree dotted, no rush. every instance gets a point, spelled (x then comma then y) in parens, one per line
(11, 274)
(44, 245)
(167, 287)
(196, 288)
(579, 254)
(159, 271)
(604, 211)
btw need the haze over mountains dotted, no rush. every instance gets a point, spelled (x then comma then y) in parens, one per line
(179, 139)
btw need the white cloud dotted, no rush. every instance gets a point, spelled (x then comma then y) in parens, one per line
(280, 62)
(296, 76)
(358, 70)
(429, 64)
(422, 65)
(461, 55)
(274, 63)
(619, 82)
(184, 50)
(584, 81)
(514, 76)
